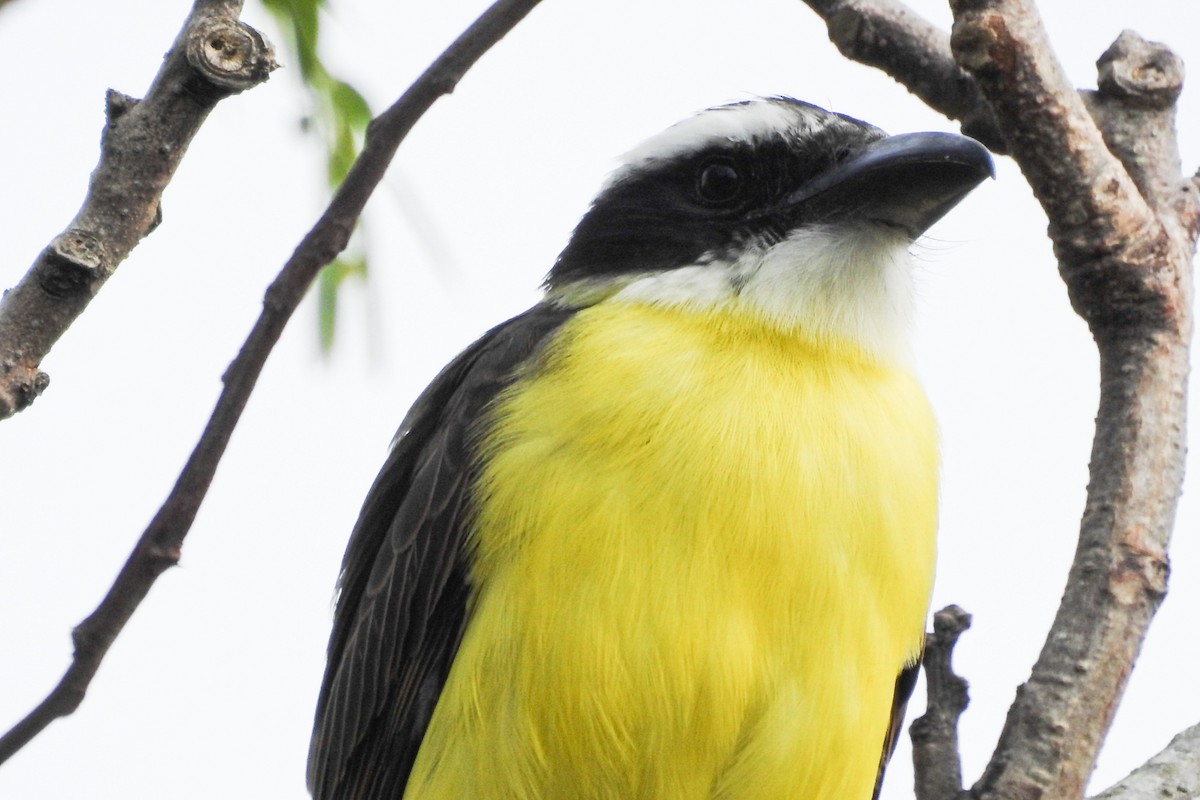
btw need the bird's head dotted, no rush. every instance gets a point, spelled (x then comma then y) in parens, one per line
(774, 208)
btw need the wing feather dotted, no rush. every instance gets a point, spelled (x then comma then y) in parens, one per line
(404, 582)
(906, 681)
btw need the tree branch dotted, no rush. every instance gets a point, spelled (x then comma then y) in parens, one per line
(891, 37)
(1140, 82)
(160, 544)
(1173, 774)
(937, 769)
(214, 56)
(1128, 273)
(1124, 225)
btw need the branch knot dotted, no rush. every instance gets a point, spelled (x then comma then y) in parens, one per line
(20, 385)
(982, 44)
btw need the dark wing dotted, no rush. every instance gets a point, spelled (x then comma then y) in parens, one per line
(404, 582)
(906, 681)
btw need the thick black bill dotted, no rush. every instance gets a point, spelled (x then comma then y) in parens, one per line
(908, 181)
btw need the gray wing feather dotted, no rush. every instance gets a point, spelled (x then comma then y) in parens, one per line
(404, 582)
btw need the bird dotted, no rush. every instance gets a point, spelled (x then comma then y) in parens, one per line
(670, 533)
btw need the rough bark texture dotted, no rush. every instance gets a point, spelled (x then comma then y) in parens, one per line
(160, 544)
(214, 56)
(1173, 774)
(1123, 221)
(1123, 225)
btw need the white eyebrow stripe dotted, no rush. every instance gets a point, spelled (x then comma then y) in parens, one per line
(740, 122)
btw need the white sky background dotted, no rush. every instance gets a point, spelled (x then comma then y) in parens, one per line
(209, 692)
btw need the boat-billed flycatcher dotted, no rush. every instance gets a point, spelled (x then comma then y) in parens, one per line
(669, 534)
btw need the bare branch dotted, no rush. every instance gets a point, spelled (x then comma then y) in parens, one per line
(1173, 774)
(160, 544)
(890, 36)
(1124, 224)
(214, 56)
(937, 768)
(1128, 274)
(1086, 192)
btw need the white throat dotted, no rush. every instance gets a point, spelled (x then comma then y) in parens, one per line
(828, 283)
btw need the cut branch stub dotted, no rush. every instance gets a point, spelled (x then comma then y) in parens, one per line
(1134, 107)
(74, 261)
(1144, 73)
(230, 54)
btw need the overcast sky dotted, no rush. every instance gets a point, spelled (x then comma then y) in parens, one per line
(210, 690)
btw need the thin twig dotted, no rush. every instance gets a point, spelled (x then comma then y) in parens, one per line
(160, 544)
(937, 768)
(214, 56)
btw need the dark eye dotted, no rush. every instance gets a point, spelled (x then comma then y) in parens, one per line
(718, 182)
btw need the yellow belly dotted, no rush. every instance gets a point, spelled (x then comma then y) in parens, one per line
(703, 552)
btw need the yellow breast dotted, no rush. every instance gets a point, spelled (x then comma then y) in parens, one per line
(702, 553)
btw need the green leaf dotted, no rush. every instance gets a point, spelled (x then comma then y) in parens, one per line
(339, 116)
(301, 20)
(329, 281)
(341, 156)
(350, 105)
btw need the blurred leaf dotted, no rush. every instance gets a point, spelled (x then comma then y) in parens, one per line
(300, 20)
(328, 283)
(339, 116)
(350, 105)
(341, 156)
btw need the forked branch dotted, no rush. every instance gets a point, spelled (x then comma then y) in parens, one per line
(1125, 254)
(1123, 221)
(888, 35)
